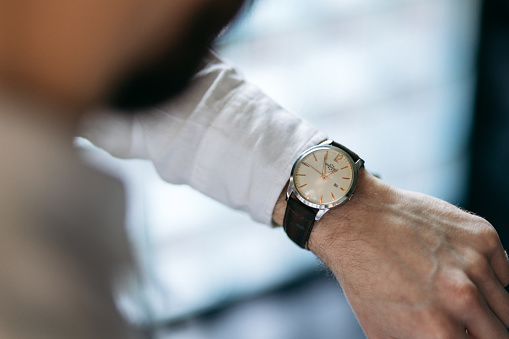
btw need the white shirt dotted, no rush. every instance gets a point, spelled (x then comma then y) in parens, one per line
(222, 136)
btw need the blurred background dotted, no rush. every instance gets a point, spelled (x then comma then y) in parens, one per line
(395, 80)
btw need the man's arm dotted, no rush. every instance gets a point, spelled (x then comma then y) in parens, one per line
(413, 266)
(222, 136)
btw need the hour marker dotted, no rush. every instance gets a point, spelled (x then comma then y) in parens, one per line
(332, 195)
(346, 167)
(339, 157)
(300, 175)
(309, 196)
(341, 188)
(321, 198)
(326, 155)
(302, 186)
(315, 157)
(347, 178)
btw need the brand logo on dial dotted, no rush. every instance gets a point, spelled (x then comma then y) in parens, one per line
(330, 167)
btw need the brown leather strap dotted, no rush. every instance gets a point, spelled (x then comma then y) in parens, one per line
(351, 153)
(299, 221)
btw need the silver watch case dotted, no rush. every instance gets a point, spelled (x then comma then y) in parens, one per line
(324, 208)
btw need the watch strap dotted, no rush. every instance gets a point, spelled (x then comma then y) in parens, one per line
(351, 153)
(299, 221)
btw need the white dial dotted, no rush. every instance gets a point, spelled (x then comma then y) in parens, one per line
(324, 176)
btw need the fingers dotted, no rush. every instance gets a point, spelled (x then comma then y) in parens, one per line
(482, 274)
(493, 249)
(500, 264)
(483, 323)
(491, 273)
(507, 257)
(497, 298)
(466, 301)
(480, 320)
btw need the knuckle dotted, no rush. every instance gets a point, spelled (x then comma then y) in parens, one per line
(463, 295)
(477, 267)
(466, 296)
(489, 235)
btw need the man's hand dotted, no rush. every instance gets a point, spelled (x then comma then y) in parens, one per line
(413, 266)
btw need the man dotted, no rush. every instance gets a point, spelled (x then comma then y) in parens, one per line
(411, 266)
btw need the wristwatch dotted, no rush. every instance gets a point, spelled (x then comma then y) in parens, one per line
(323, 177)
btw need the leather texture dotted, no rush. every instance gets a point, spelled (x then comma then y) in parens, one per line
(298, 221)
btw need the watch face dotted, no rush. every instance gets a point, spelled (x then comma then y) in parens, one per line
(324, 176)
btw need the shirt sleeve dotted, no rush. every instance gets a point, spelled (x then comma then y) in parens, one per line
(223, 136)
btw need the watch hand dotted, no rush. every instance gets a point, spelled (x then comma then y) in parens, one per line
(324, 160)
(321, 174)
(324, 166)
(308, 165)
(326, 175)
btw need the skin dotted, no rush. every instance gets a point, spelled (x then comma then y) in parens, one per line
(75, 55)
(412, 266)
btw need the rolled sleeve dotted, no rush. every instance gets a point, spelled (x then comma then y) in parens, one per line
(223, 136)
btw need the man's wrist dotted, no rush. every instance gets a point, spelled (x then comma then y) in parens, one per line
(278, 213)
(334, 226)
(334, 237)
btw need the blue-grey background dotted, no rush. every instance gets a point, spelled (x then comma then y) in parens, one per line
(391, 79)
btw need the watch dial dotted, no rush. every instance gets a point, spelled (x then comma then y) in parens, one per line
(324, 176)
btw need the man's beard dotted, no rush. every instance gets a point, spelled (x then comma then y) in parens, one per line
(167, 76)
(155, 83)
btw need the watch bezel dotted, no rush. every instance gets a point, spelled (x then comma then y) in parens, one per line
(346, 197)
